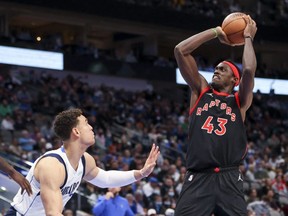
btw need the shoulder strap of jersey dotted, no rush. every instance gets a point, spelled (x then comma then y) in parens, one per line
(84, 165)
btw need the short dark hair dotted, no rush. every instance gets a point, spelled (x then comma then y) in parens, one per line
(65, 121)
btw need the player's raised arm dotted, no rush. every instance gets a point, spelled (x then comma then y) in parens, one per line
(186, 61)
(249, 66)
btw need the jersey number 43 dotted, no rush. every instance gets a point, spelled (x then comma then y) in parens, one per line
(221, 130)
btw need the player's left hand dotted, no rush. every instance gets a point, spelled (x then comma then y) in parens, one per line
(151, 161)
(251, 27)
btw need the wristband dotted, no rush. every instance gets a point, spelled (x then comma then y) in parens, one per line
(215, 31)
(249, 37)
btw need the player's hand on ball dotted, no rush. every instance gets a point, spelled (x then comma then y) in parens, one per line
(251, 28)
(223, 37)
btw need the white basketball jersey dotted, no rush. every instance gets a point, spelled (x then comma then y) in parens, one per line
(32, 205)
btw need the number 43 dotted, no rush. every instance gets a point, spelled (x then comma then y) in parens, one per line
(210, 127)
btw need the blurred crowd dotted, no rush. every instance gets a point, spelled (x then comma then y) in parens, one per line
(127, 123)
(265, 11)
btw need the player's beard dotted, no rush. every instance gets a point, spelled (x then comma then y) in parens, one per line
(215, 86)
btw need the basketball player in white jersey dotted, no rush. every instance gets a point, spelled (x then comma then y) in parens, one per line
(56, 175)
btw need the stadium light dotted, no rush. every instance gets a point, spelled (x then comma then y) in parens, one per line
(264, 85)
(31, 58)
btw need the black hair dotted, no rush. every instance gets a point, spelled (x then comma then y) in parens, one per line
(65, 121)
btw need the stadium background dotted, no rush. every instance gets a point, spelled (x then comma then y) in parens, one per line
(119, 67)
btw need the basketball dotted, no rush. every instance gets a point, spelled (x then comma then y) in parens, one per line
(233, 25)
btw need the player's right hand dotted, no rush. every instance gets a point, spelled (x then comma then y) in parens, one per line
(251, 28)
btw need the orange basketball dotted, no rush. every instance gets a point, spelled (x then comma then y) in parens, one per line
(233, 25)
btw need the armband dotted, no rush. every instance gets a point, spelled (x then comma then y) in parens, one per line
(113, 178)
(215, 31)
(249, 37)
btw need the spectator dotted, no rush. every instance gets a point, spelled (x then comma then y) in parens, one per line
(279, 187)
(131, 201)
(259, 207)
(140, 202)
(157, 203)
(253, 196)
(169, 212)
(151, 212)
(112, 204)
(26, 142)
(151, 187)
(5, 108)
(7, 127)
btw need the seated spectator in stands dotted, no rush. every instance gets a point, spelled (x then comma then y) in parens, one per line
(272, 201)
(91, 197)
(151, 212)
(24, 97)
(7, 125)
(5, 108)
(169, 212)
(167, 188)
(127, 158)
(26, 142)
(140, 202)
(131, 201)
(261, 172)
(112, 204)
(47, 130)
(151, 187)
(179, 184)
(157, 203)
(279, 187)
(174, 172)
(259, 207)
(253, 196)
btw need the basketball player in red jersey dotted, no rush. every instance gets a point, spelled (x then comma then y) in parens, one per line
(217, 137)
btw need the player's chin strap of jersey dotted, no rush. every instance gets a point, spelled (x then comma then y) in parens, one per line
(113, 178)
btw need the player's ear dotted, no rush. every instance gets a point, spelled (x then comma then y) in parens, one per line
(235, 80)
(75, 131)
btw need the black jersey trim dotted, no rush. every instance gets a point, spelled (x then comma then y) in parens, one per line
(83, 159)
